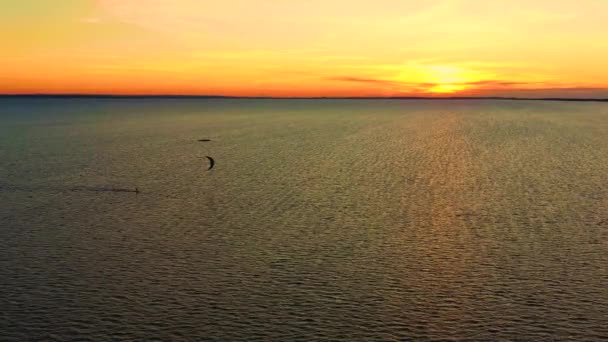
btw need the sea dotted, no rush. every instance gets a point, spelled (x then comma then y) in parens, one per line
(321, 219)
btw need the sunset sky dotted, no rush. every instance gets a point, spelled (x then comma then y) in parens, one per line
(541, 48)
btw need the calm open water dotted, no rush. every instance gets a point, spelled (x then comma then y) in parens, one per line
(322, 220)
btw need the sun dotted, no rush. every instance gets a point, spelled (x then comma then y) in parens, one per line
(446, 79)
(441, 78)
(447, 88)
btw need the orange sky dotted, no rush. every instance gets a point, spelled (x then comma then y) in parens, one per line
(535, 48)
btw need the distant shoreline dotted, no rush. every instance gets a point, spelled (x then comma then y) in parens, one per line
(102, 96)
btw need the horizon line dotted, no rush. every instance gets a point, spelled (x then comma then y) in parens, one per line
(185, 96)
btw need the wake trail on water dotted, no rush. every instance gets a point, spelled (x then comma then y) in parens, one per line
(75, 188)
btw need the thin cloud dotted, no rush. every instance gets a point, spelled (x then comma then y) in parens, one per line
(361, 80)
(488, 87)
(481, 83)
(498, 83)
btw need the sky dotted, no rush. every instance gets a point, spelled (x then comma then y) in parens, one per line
(541, 48)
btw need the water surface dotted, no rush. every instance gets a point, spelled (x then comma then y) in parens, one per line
(322, 220)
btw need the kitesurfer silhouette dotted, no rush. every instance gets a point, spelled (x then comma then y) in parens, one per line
(211, 163)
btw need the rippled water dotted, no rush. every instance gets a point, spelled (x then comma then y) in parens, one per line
(335, 219)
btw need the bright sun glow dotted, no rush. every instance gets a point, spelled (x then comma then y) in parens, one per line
(447, 79)
(447, 88)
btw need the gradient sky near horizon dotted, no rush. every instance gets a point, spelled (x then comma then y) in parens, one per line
(541, 48)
